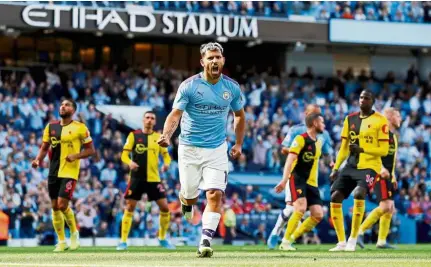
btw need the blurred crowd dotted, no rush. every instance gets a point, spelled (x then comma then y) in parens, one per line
(274, 102)
(399, 11)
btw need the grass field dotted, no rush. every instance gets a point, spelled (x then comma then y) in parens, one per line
(249, 256)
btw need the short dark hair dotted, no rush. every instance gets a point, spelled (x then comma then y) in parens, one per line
(74, 105)
(370, 93)
(150, 112)
(309, 120)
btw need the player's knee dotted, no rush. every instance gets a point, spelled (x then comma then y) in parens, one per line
(62, 205)
(359, 193)
(337, 197)
(385, 206)
(214, 195)
(317, 215)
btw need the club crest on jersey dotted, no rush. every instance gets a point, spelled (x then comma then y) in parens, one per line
(226, 95)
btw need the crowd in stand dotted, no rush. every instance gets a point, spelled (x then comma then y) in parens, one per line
(398, 11)
(274, 102)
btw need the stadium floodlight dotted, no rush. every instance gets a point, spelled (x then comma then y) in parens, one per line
(222, 39)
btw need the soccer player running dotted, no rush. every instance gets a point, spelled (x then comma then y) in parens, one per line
(203, 103)
(65, 137)
(385, 186)
(294, 131)
(144, 177)
(365, 137)
(301, 171)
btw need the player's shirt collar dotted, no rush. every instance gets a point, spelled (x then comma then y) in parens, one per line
(201, 74)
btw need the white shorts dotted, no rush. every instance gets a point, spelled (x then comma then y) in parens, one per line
(202, 169)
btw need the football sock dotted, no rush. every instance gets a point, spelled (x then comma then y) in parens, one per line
(292, 224)
(338, 221)
(58, 223)
(210, 221)
(371, 219)
(126, 224)
(385, 223)
(70, 219)
(164, 219)
(282, 219)
(358, 215)
(305, 227)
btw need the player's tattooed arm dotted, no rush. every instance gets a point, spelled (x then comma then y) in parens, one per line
(170, 127)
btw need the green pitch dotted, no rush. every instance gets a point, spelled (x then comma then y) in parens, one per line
(248, 256)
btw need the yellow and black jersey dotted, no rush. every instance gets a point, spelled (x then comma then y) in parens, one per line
(371, 133)
(307, 164)
(65, 140)
(145, 152)
(389, 161)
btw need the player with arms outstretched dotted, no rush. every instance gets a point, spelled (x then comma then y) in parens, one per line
(203, 103)
(385, 186)
(301, 172)
(65, 137)
(144, 177)
(365, 139)
(293, 132)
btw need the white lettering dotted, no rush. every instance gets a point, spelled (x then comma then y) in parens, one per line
(226, 26)
(191, 25)
(169, 24)
(133, 12)
(28, 12)
(84, 17)
(75, 17)
(248, 30)
(180, 17)
(219, 28)
(113, 17)
(57, 9)
(202, 24)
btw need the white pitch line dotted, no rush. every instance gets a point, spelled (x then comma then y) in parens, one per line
(73, 265)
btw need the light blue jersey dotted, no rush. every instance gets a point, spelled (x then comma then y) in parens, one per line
(206, 107)
(300, 129)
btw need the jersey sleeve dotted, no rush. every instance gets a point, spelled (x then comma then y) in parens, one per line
(238, 99)
(291, 134)
(182, 98)
(84, 135)
(130, 142)
(297, 145)
(383, 134)
(45, 137)
(395, 158)
(345, 130)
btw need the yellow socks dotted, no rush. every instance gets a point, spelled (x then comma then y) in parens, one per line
(126, 224)
(70, 219)
(58, 223)
(385, 223)
(293, 224)
(164, 219)
(371, 219)
(305, 227)
(338, 221)
(358, 215)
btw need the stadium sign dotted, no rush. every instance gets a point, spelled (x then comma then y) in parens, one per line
(136, 19)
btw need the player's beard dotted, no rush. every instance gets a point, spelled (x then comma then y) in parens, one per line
(65, 115)
(213, 72)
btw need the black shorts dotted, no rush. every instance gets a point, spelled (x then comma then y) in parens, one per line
(349, 178)
(61, 187)
(384, 189)
(299, 188)
(136, 188)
